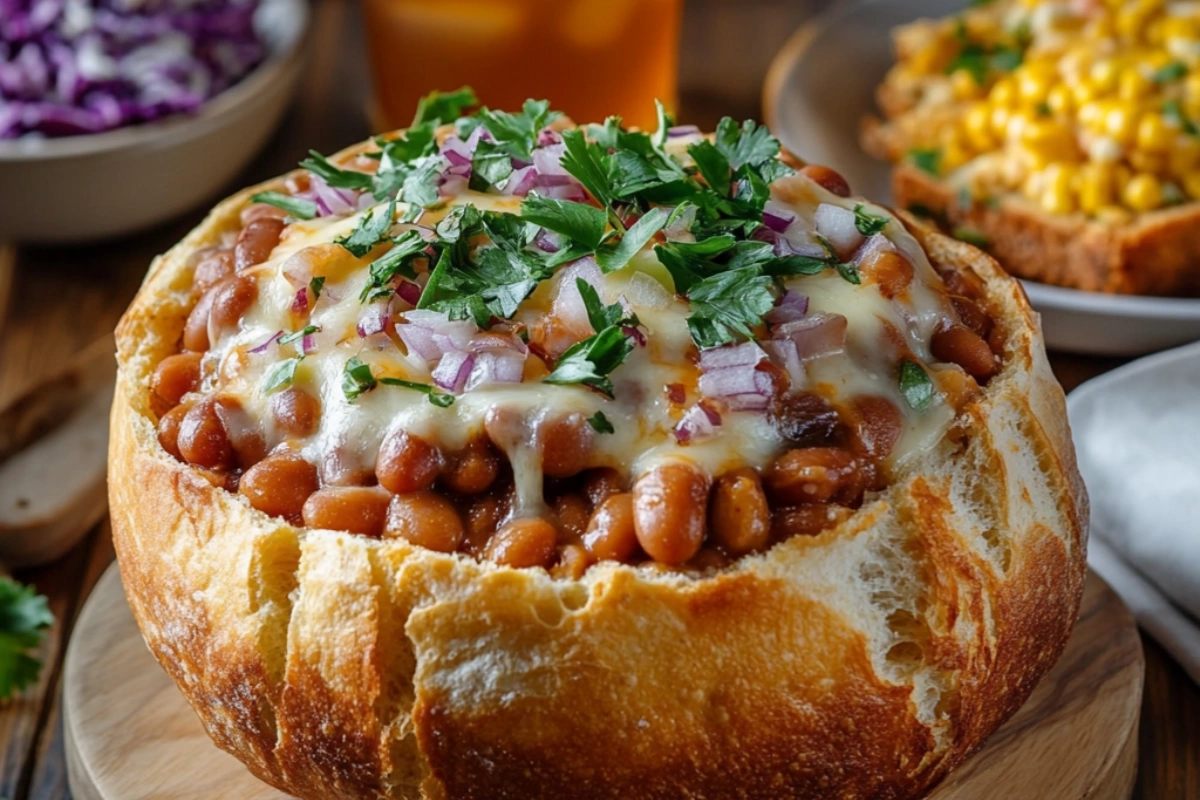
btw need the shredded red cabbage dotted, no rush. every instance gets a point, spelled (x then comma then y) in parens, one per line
(71, 67)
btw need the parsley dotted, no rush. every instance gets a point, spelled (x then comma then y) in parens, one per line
(690, 262)
(713, 165)
(370, 231)
(868, 224)
(490, 166)
(24, 616)
(601, 423)
(416, 142)
(579, 222)
(316, 284)
(586, 162)
(440, 399)
(752, 144)
(296, 207)
(1171, 72)
(614, 257)
(295, 336)
(592, 360)
(409, 247)
(420, 186)
(356, 378)
(915, 385)
(1174, 114)
(438, 107)
(929, 160)
(336, 177)
(516, 134)
(727, 305)
(281, 374)
(599, 315)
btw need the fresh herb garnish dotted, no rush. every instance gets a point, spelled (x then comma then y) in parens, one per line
(295, 336)
(296, 207)
(1171, 72)
(336, 177)
(397, 261)
(927, 159)
(591, 361)
(580, 222)
(612, 257)
(443, 107)
(281, 374)
(24, 617)
(601, 423)
(370, 231)
(316, 285)
(516, 134)
(915, 385)
(356, 378)
(980, 60)
(868, 224)
(1174, 114)
(438, 398)
(727, 305)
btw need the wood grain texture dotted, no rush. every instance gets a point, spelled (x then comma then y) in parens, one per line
(129, 735)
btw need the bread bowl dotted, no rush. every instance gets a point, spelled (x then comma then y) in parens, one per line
(856, 629)
(1059, 134)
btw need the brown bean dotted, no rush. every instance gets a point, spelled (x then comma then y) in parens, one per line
(425, 519)
(669, 505)
(611, 534)
(828, 178)
(230, 301)
(175, 376)
(600, 483)
(407, 463)
(573, 561)
(709, 558)
(571, 516)
(473, 470)
(168, 429)
(566, 445)
(805, 419)
(295, 411)
(806, 520)
(960, 345)
(256, 241)
(357, 509)
(812, 475)
(259, 211)
(243, 429)
(739, 519)
(527, 542)
(195, 330)
(972, 315)
(202, 440)
(891, 271)
(484, 516)
(878, 423)
(212, 269)
(279, 485)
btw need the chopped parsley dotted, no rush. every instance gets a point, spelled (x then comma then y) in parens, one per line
(727, 305)
(516, 134)
(356, 378)
(927, 159)
(296, 207)
(438, 398)
(601, 423)
(336, 177)
(397, 261)
(1171, 72)
(295, 336)
(868, 224)
(281, 374)
(916, 385)
(1174, 114)
(439, 107)
(24, 617)
(370, 231)
(316, 285)
(980, 60)
(591, 361)
(579, 222)
(612, 257)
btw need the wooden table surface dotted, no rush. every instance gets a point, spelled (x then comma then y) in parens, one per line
(53, 301)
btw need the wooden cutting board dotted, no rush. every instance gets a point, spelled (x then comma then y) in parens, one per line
(131, 736)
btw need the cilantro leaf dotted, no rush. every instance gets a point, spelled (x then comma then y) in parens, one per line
(592, 360)
(928, 159)
(453, 294)
(713, 165)
(416, 142)
(438, 398)
(517, 134)
(727, 305)
(356, 378)
(281, 374)
(601, 423)
(580, 222)
(916, 385)
(588, 164)
(420, 187)
(614, 257)
(462, 220)
(316, 285)
(336, 177)
(296, 207)
(438, 107)
(370, 231)
(24, 616)
(750, 144)
(664, 124)
(690, 262)
(490, 166)
(868, 224)
(599, 315)
(398, 260)
(295, 336)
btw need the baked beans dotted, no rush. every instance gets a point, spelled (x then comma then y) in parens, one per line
(960, 345)
(812, 475)
(573, 561)
(279, 485)
(425, 519)
(357, 509)
(256, 241)
(168, 429)
(231, 299)
(806, 520)
(175, 376)
(830, 179)
(212, 269)
(473, 470)
(295, 411)
(571, 514)
(601, 482)
(611, 534)
(890, 271)
(566, 445)
(195, 330)
(202, 440)
(739, 519)
(526, 542)
(407, 463)
(669, 508)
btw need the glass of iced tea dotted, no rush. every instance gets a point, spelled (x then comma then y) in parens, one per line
(590, 58)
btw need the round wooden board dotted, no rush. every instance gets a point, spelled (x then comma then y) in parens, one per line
(131, 736)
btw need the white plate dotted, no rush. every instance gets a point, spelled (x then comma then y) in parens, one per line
(105, 184)
(822, 85)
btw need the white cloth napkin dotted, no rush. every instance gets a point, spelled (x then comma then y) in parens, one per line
(1137, 435)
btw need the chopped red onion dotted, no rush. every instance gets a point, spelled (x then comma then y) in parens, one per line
(548, 241)
(682, 130)
(330, 201)
(308, 343)
(815, 336)
(548, 136)
(837, 225)
(452, 186)
(409, 292)
(741, 355)
(878, 243)
(300, 303)
(731, 382)
(680, 228)
(374, 318)
(636, 334)
(548, 160)
(496, 367)
(698, 422)
(429, 334)
(521, 182)
(570, 191)
(784, 354)
(791, 307)
(496, 341)
(262, 348)
(419, 340)
(297, 269)
(568, 305)
(778, 221)
(452, 371)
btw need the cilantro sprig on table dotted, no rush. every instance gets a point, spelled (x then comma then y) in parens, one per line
(24, 617)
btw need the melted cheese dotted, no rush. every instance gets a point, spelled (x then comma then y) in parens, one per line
(350, 432)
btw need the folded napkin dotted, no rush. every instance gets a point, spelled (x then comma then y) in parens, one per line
(1137, 435)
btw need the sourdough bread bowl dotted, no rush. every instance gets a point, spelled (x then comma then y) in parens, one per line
(864, 659)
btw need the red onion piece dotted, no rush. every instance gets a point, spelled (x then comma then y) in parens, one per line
(837, 225)
(682, 130)
(791, 307)
(452, 371)
(521, 182)
(429, 334)
(548, 160)
(308, 343)
(784, 354)
(878, 243)
(452, 186)
(571, 191)
(636, 334)
(734, 382)
(374, 318)
(548, 136)
(300, 303)
(409, 292)
(262, 348)
(778, 221)
(297, 269)
(568, 305)
(331, 201)
(494, 341)
(548, 241)
(741, 355)
(698, 422)
(496, 367)
(815, 336)
(419, 341)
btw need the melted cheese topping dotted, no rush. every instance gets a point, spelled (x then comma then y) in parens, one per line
(351, 432)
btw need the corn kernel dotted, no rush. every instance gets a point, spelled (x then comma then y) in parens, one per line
(1184, 156)
(1095, 187)
(1129, 24)
(1104, 75)
(1032, 87)
(1056, 196)
(1084, 91)
(1003, 93)
(1091, 115)
(1142, 193)
(1000, 115)
(1152, 163)
(978, 126)
(1191, 185)
(1133, 85)
(1154, 134)
(1191, 86)
(1120, 123)
(1049, 139)
(962, 82)
(1153, 33)
(1180, 28)
(1059, 100)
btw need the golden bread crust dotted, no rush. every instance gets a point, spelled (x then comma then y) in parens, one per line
(862, 663)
